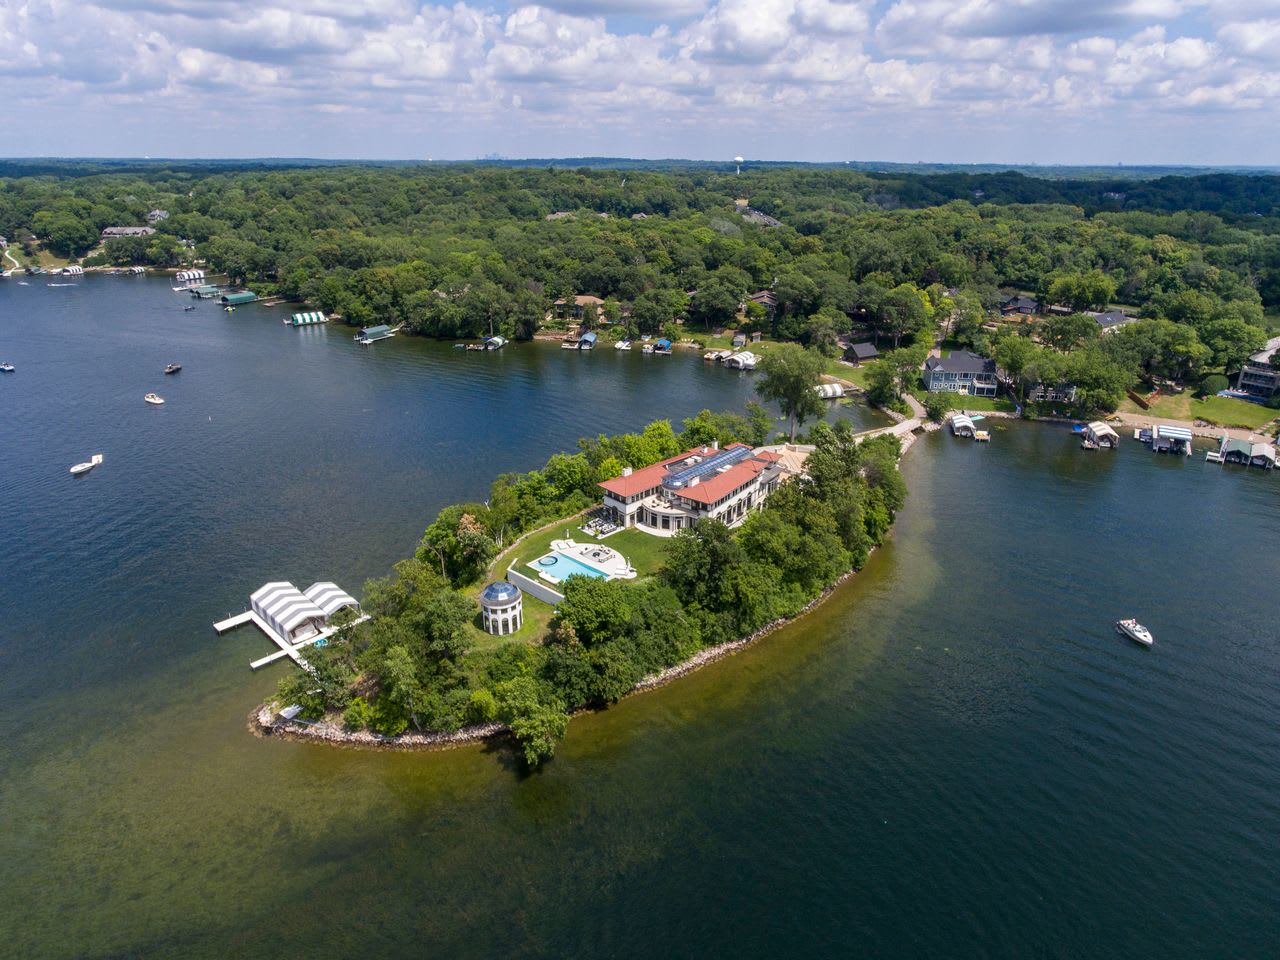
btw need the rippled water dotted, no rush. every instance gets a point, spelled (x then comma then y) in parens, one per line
(956, 756)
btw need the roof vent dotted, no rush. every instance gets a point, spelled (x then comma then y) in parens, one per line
(694, 482)
(626, 471)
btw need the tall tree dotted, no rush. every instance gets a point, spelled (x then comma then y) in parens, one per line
(788, 375)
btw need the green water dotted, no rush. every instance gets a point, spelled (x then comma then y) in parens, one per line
(955, 756)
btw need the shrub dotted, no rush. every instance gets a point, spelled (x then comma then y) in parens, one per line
(935, 406)
(357, 715)
(1212, 384)
(481, 706)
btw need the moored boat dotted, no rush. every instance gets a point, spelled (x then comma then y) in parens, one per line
(1135, 631)
(622, 345)
(83, 468)
(154, 398)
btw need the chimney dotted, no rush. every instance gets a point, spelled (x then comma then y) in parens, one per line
(715, 444)
(626, 471)
(694, 481)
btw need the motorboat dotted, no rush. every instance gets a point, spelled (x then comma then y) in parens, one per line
(83, 468)
(189, 308)
(173, 368)
(1135, 631)
(6, 367)
(495, 343)
(622, 345)
(154, 398)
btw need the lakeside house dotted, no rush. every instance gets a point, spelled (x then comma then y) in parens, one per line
(962, 372)
(155, 216)
(1014, 304)
(579, 309)
(767, 299)
(702, 483)
(1257, 376)
(1111, 320)
(109, 233)
(1052, 393)
(861, 352)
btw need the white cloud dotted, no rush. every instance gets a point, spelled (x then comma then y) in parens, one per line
(545, 78)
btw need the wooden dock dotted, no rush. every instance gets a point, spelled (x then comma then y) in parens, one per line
(287, 649)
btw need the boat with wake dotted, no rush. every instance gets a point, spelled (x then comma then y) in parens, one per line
(173, 368)
(6, 367)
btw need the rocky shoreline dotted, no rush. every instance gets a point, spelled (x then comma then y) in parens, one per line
(266, 720)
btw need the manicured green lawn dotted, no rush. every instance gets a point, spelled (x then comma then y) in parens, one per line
(1223, 411)
(960, 401)
(643, 551)
(537, 615)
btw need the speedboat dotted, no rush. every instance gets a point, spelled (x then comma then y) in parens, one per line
(188, 309)
(173, 368)
(6, 367)
(1135, 631)
(154, 398)
(81, 468)
(622, 345)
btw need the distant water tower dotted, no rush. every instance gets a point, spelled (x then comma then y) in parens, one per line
(738, 169)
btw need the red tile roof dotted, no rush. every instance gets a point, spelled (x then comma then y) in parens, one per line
(706, 491)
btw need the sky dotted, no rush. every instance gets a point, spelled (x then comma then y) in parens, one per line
(960, 81)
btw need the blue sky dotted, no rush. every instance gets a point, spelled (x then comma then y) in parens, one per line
(1048, 81)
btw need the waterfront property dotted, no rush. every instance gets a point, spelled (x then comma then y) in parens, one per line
(501, 608)
(1052, 393)
(370, 335)
(1101, 435)
(1247, 453)
(1258, 377)
(568, 558)
(307, 318)
(238, 299)
(862, 352)
(703, 483)
(291, 618)
(1166, 438)
(962, 372)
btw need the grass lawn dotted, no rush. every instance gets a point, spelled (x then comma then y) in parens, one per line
(644, 552)
(536, 617)
(962, 401)
(1223, 411)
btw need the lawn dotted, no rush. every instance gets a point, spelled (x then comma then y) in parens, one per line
(537, 615)
(1222, 411)
(962, 401)
(645, 552)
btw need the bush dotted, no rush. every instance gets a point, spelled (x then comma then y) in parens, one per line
(481, 706)
(1211, 385)
(935, 406)
(357, 715)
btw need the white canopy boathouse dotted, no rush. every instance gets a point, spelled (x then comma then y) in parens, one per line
(962, 426)
(293, 619)
(829, 391)
(306, 319)
(1101, 435)
(1170, 439)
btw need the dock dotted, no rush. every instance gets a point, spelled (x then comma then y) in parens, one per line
(293, 620)
(287, 649)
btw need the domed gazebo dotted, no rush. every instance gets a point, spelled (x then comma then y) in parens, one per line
(502, 607)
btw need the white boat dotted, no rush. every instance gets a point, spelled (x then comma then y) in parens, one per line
(495, 343)
(88, 465)
(622, 345)
(154, 398)
(6, 368)
(1135, 631)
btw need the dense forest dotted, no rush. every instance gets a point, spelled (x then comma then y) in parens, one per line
(462, 251)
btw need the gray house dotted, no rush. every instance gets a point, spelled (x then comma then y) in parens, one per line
(962, 372)
(1258, 376)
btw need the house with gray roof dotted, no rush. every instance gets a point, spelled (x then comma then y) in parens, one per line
(962, 372)
(1258, 376)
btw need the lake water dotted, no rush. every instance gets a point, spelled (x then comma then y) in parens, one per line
(955, 756)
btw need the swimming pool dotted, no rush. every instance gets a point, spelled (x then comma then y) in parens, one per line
(561, 566)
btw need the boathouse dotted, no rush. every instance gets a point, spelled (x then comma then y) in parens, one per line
(288, 611)
(237, 299)
(1169, 439)
(502, 608)
(587, 341)
(307, 318)
(962, 426)
(370, 334)
(205, 291)
(1101, 434)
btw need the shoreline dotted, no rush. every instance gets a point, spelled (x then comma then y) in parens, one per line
(265, 720)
